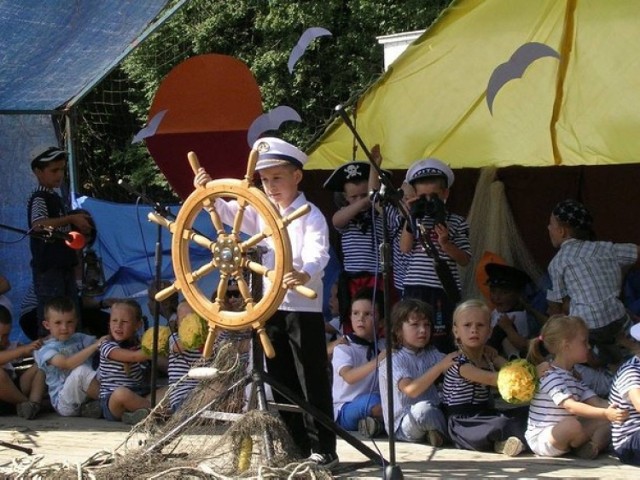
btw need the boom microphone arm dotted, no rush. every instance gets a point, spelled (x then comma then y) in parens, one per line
(73, 239)
(391, 192)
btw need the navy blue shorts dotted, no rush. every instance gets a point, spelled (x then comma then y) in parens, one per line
(104, 402)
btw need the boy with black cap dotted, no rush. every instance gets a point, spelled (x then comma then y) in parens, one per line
(359, 223)
(52, 263)
(431, 181)
(589, 273)
(296, 330)
(513, 322)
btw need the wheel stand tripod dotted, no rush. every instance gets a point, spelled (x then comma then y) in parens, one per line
(257, 378)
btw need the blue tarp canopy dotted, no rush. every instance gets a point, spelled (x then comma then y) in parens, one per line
(54, 50)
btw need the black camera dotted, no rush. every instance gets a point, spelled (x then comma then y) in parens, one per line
(431, 206)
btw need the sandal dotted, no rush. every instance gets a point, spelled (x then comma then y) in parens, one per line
(28, 410)
(588, 451)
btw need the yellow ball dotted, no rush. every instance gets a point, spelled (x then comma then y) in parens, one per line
(517, 381)
(146, 343)
(192, 331)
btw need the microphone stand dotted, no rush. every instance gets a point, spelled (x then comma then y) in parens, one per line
(387, 195)
(41, 234)
(165, 212)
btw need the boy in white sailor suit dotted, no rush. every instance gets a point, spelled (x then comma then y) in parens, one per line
(296, 330)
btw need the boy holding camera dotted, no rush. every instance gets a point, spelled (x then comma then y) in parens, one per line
(429, 181)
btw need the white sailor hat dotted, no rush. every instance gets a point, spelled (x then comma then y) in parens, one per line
(355, 171)
(273, 152)
(43, 154)
(430, 167)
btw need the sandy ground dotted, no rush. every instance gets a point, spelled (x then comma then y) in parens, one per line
(57, 439)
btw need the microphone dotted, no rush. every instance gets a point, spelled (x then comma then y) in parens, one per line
(135, 193)
(162, 210)
(73, 239)
(126, 186)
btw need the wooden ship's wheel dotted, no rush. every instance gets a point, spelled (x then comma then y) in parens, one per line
(230, 256)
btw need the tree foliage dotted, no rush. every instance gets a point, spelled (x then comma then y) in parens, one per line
(262, 33)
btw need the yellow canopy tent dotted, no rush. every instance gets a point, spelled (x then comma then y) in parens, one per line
(579, 110)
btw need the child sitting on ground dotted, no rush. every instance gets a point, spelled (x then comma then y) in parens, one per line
(597, 378)
(23, 389)
(180, 361)
(512, 321)
(565, 414)
(626, 393)
(474, 423)
(356, 397)
(238, 340)
(124, 394)
(65, 358)
(416, 364)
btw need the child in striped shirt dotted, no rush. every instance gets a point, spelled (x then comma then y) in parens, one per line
(359, 224)
(124, 393)
(626, 393)
(565, 414)
(180, 362)
(431, 180)
(474, 423)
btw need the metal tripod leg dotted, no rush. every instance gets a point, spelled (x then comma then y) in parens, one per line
(257, 396)
(258, 392)
(26, 450)
(321, 417)
(168, 438)
(260, 377)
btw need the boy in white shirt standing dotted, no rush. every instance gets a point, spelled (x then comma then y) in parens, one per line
(296, 330)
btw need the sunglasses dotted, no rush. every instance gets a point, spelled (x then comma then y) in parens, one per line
(232, 293)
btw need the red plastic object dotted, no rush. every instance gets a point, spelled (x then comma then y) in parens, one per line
(77, 240)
